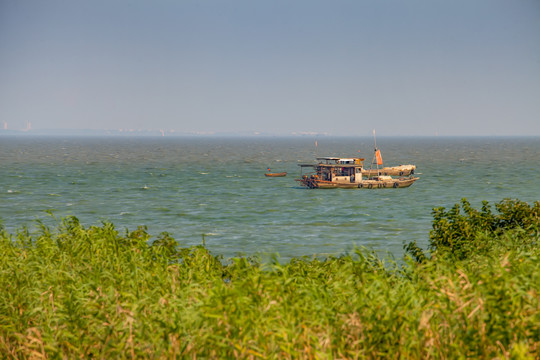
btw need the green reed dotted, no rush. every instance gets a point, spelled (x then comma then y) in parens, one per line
(95, 292)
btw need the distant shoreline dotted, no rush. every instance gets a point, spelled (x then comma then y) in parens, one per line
(174, 134)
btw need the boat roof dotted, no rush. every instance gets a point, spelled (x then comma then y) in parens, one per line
(338, 162)
(332, 165)
(328, 158)
(332, 158)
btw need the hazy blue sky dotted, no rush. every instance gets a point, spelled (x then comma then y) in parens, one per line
(455, 67)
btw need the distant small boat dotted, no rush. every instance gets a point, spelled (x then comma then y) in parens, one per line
(276, 174)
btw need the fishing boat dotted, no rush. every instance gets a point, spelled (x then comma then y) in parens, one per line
(281, 174)
(347, 173)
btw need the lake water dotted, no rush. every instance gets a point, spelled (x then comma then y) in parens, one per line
(190, 186)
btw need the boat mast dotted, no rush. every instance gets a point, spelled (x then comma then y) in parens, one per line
(374, 160)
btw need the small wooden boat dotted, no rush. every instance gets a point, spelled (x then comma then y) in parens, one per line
(281, 174)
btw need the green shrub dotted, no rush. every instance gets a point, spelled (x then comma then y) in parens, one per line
(470, 231)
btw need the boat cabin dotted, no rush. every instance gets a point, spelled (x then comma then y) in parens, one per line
(335, 170)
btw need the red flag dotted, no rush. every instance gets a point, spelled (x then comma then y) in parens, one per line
(379, 157)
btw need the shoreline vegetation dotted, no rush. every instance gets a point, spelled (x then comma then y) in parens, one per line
(93, 292)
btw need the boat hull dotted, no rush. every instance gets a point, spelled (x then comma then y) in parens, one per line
(275, 174)
(364, 184)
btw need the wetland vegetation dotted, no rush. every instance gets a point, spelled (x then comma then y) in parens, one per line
(97, 292)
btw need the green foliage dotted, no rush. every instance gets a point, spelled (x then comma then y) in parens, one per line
(471, 232)
(77, 292)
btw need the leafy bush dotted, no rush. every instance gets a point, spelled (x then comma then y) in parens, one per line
(472, 231)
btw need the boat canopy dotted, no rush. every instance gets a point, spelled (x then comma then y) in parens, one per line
(330, 161)
(328, 158)
(337, 160)
(332, 165)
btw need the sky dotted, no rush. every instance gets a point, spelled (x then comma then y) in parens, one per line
(340, 67)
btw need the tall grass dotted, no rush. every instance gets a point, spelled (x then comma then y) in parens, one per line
(94, 292)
